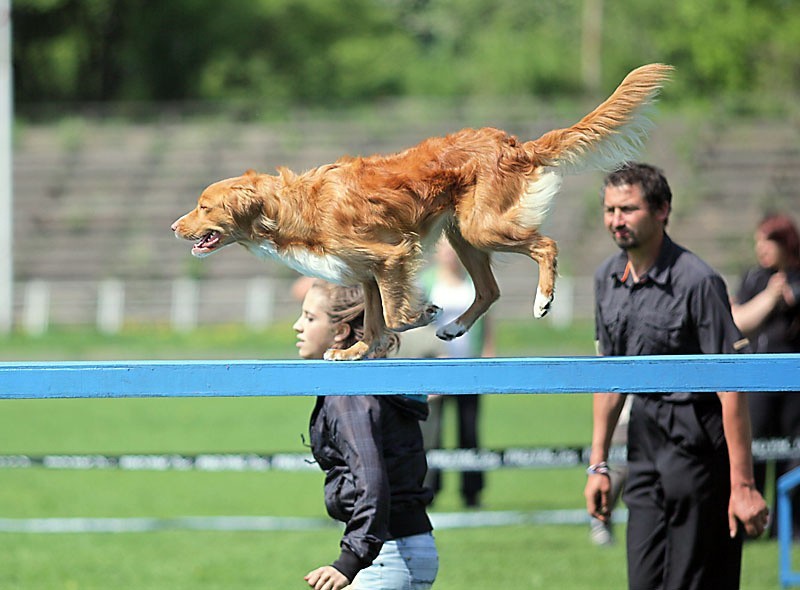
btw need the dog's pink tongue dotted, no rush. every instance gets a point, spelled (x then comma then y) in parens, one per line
(206, 244)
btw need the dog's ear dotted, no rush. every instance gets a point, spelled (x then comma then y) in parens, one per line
(286, 175)
(251, 202)
(247, 181)
(242, 202)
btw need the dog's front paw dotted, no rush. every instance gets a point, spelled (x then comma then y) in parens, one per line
(431, 312)
(541, 305)
(425, 317)
(451, 331)
(355, 353)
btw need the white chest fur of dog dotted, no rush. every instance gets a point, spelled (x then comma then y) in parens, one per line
(328, 267)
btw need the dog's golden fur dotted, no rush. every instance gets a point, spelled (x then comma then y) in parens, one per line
(367, 220)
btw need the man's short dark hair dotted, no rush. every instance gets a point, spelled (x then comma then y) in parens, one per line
(651, 179)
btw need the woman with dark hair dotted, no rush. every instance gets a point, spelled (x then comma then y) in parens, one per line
(767, 310)
(371, 450)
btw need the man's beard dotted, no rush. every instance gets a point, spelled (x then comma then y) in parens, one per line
(626, 242)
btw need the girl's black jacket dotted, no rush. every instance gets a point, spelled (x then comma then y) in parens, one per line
(371, 450)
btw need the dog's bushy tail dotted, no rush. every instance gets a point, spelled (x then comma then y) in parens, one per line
(611, 134)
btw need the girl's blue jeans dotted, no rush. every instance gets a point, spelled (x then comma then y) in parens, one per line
(408, 563)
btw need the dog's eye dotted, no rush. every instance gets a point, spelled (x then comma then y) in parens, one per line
(204, 207)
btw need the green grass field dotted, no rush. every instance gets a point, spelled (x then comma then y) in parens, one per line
(508, 557)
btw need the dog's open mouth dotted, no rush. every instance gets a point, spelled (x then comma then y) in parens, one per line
(207, 243)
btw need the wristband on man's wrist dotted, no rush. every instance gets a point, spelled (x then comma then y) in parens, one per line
(600, 468)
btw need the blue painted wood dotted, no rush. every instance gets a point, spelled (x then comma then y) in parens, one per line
(695, 373)
(786, 484)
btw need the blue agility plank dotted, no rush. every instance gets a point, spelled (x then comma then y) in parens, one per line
(646, 374)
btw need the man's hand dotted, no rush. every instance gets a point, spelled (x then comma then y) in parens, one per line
(326, 577)
(597, 493)
(748, 507)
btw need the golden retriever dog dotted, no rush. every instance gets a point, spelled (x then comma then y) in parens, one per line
(369, 220)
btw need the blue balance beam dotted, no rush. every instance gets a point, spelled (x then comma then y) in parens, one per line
(645, 374)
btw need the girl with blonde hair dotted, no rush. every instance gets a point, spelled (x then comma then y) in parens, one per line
(371, 450)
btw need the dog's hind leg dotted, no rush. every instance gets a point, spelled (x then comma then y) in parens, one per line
(478, 265)
(545, 252)
(507, 236)
(374, 328)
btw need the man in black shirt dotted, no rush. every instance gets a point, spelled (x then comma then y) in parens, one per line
(690, 491)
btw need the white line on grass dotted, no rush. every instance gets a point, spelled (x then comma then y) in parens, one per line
(441, 521)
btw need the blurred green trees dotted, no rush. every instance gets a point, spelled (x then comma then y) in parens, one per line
(327, 52)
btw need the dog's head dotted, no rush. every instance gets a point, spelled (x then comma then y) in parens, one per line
(228, 211)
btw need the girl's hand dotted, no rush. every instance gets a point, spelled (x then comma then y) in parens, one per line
(326, 577)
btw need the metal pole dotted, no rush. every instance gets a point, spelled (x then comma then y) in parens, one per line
(592, 45)
(6, 179)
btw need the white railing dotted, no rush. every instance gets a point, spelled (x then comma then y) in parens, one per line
(255, 302)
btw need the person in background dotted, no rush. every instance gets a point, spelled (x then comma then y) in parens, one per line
(371, 450)
(767, 310)
(690, 490)
(448, 286)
